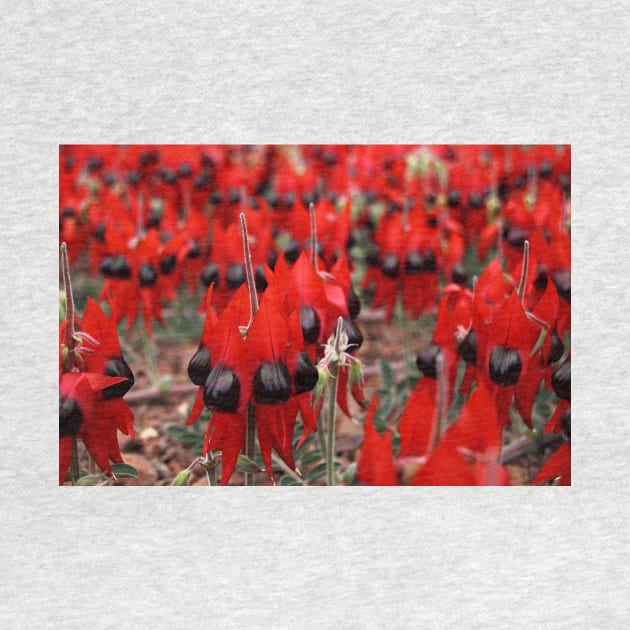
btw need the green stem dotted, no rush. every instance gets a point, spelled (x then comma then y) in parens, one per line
(67, 286)
(321, 435)
(333, 369)
(74, 462)
(311, 210)
(211, 473)
(250, 442)
(332, 402)
(441, 402)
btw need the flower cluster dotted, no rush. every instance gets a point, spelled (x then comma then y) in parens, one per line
(509, 335)
(477, 237)
(261, 361)
(93, 378)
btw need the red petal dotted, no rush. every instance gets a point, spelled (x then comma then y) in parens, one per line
(558, 466)
(342, 390)
(445, 467)
(416, 422)
(197, 407)
(376, 464)
(229, 436)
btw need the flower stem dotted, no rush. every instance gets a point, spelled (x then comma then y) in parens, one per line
(211, 475)
(249, 272)
(330, 453)
(523, 282)
(311, 211)
(250, 442)
(67, 286)
(321, 436)
(332, 405)
(75, 473)
(441, 402)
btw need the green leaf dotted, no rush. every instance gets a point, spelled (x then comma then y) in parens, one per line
(316, 473)
(539, 342)
(90, 480)
(124, 470)
(311, 457)
(185, 437)
(349, 474)
(386, 373)
(287, 480)
(319, 471)
(246, 465)
(182, 478)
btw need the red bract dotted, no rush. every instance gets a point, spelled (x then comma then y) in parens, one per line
(90, 392)
(376, 466)
(417, 420)
(131, 277)
(468, 452)
(557, 469)
(266, 367)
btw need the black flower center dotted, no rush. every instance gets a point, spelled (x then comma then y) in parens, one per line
(120, 268)
(117, 366)
(561, 381)
(148, 275)
(354, 304)
(565, 423)
(292, 252)
(557, 348)
(210, 275)
(390, 265)
(505, 366)
(467, 349)
(70, 417)
(222, 390)
(562, 280)
(167, 264)
(305, 374)
(272, 383)
(458, 274)
(199, 366)
(259, 279)
(373, 255)
(235, 275)
(355, 338)
(309, 321)
(414, 263)
(426, 360)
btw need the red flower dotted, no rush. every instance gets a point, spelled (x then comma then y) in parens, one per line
(557, 469)
(376, 466)
(267, 367)
(91, 406)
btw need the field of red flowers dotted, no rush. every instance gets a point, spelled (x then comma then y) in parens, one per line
(315, 314)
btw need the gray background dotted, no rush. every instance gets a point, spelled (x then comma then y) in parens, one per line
(295, 72)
